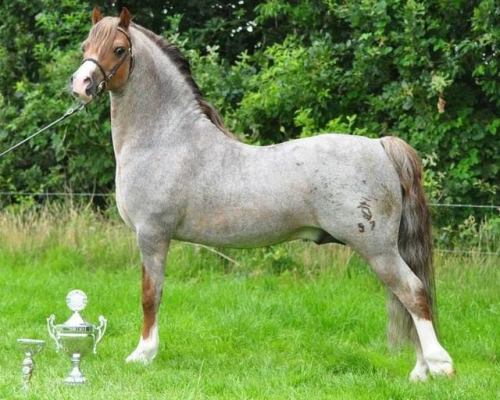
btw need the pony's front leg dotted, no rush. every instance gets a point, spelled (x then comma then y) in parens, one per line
(153, 250)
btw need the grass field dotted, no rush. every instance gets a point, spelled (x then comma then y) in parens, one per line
(294, 321)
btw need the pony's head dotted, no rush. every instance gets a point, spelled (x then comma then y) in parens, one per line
(107, 56)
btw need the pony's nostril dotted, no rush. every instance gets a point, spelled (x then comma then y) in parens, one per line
(87, 80)
(75, 94)
(72, 78)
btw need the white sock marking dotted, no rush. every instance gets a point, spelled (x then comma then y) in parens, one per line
(147, 348)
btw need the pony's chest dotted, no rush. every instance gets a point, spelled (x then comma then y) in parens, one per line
(144, 188)
(121, 203)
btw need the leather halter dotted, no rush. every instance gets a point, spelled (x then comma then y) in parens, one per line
(107, 77)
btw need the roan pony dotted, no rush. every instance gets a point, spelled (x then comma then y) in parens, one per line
(181, 175)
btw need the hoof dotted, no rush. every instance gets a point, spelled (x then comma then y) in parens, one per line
(442, 368)
(141, 356)
(440, 364)
(420, 373)
(145, 352)
(146, 349)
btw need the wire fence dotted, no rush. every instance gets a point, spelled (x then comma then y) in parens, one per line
(91, 194)
(451, 205)
(435, 205)
(469, 252)
(56, 194)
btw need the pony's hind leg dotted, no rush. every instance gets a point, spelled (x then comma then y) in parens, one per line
(409, 290)
(153, 250)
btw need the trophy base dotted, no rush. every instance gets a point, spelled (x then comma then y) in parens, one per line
(75, 377)
(75, 380)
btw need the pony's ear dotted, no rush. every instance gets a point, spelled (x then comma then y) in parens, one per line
(96, 15)
(125, 18)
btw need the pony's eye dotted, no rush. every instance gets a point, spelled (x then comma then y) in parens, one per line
(119, 51)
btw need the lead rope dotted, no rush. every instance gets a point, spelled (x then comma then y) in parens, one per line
(68, 113)
(100, 89)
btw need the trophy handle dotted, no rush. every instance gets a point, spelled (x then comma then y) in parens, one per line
(52, 331)
(101, 329)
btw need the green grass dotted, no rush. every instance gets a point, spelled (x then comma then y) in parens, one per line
(295, 321)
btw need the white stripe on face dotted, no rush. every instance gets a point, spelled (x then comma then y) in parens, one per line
(82, 80)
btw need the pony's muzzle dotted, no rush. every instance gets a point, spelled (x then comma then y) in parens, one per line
(84, 83)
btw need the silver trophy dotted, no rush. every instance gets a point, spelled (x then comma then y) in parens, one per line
(30, 347)
(76, 337)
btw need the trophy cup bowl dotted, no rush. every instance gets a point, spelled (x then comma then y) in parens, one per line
(30, 348)
(76, 337)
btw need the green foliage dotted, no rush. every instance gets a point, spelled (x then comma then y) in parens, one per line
(426, 71)
(376, 68)
(42, 39)
(482, 236)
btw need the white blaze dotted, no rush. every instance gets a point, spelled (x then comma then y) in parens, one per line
(82, 78)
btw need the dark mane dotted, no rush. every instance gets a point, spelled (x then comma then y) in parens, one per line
(184, 68)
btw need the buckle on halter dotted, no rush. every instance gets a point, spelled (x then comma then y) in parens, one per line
(100, 88)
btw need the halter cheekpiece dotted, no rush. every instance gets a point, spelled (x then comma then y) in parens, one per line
(107, 77)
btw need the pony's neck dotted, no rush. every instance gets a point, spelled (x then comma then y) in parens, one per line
(156, 101)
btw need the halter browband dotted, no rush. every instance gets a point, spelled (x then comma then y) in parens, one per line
(107, 77)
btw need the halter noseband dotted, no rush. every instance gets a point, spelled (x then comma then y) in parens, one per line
(107, 77)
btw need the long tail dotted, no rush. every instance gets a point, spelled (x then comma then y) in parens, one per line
(415, 237)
